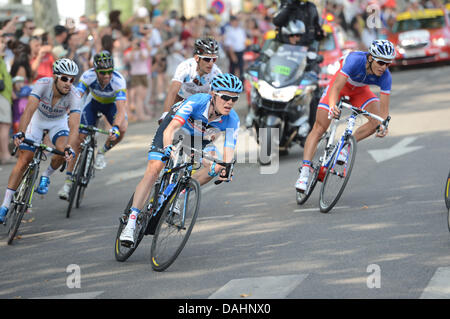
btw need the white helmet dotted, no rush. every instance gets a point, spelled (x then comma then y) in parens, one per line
(65, 66)
(382, 49)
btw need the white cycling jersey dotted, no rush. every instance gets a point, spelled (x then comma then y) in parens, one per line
(192, 83)
(43, 90)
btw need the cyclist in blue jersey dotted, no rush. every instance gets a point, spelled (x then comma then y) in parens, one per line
(358, 70)
(49, 102)
(108, 90)
(203, 115)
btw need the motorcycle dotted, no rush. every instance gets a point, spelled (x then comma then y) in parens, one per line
(281, 95)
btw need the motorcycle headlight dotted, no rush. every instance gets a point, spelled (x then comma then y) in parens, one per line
(268, 92)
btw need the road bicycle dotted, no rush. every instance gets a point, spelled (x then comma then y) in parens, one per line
(24, 194)
(447, 198)
(325, 166)
(84, 167)
(172, 208)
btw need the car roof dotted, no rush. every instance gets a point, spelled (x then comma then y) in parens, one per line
(421, 14)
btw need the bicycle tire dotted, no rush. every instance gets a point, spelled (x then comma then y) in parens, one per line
(447, 192)
(162, 255)
(327, 198)
(82, 186)
(19, 210)
(78, 173)
(122, 252)
(313, 176)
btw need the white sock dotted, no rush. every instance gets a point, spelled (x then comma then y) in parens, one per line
(8, 197)
(50, 170)
(132, 219)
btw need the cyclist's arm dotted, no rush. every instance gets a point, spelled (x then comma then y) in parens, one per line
(170, 131)
(384, 105)
(120, 116)
(32, 105)
(174, 88)
(336, 89)
(74, 124)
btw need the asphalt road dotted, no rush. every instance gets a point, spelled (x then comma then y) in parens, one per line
(386, 238)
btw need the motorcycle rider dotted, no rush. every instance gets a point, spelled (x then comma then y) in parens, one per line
(292, 34)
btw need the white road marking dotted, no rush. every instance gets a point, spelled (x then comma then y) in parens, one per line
(439, 285)
(271, 287)
(399, 149)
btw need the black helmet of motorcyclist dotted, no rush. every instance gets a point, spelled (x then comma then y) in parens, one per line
(293, 31)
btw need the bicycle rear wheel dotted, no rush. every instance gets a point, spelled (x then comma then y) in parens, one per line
(23, 199)
(174, 227)
(337, 177)
(123, 252)
(302, 197)
(76, 179)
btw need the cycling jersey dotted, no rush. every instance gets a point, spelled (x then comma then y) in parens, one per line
(191, 82)
(353, 66)
(43, 91)
(193, 114)
(114, 91)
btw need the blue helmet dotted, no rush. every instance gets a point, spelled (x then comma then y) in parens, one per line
(227, 82)
(382, 49)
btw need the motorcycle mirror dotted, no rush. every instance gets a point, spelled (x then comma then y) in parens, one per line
(312, 55)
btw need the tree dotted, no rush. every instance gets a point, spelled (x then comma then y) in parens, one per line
(45, 14)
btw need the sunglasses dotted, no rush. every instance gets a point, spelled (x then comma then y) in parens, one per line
(105, 72)
(208, 59)
(298, 35)
(226, 98)
(382, 63)
(66, 78)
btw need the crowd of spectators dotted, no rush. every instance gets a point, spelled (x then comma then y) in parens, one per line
(147, 48)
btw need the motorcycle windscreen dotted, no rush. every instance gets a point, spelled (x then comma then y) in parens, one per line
(286, 66)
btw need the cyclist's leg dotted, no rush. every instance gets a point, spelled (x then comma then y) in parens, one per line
(366, 100)
(110, 112)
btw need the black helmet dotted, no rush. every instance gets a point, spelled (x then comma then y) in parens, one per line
(206, 46)
(103, 61)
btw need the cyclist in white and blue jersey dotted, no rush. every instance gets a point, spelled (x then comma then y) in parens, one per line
(204, 115)
(48, 105)
(108, 90)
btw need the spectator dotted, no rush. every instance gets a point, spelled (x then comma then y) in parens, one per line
(27, 31)
(61, 36)
(139, 69)
(5, 107)
(235, 38)
(21, 92)
(41, 59)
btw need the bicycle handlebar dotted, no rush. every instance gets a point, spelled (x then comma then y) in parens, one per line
(91, 128)
(384, 122)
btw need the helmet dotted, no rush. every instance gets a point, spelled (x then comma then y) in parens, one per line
(382, 49)
(227, 82)
(65, 66)
(294, 27)
(206, 46)
(103, 61)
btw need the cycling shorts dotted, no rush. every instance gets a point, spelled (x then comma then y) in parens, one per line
(36, 127)
(89, 116)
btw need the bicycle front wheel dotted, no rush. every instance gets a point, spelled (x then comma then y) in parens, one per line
(23, 200)
(175, 225)
(88, 171)
(447, 199)
(76, 180)
(337, 177)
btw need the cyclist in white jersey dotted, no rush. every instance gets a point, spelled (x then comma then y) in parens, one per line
(193, 75)
(109, 97)
(50, 101)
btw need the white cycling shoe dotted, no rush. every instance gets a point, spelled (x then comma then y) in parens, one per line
(100, 161)
(65, 190)
(127, 235)
(302, 181)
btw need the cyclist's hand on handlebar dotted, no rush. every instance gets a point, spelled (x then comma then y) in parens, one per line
(334, 112)
(18, 138)
(69, 153)
(168, 151)
(382, 131)
(114, 132)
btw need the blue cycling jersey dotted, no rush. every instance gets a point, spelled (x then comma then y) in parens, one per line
(354, 67)
(193, 114)
(114, 91)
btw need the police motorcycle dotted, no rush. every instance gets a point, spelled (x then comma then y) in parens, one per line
(283, 87)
